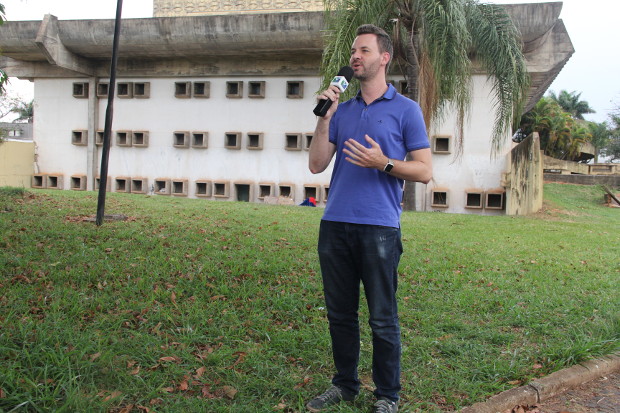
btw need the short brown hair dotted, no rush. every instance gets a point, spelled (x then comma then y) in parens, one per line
(383, 39)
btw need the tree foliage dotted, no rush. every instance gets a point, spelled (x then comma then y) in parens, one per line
(16, 105)
(571, 103)
(438, 45)
(612, 148)
(23, 110)
(601, 133)
(561, 136)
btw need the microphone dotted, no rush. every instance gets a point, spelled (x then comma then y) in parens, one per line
(341, 81)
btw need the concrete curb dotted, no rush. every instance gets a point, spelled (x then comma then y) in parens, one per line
(547, 387)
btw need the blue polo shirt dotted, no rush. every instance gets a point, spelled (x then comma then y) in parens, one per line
(368, 196)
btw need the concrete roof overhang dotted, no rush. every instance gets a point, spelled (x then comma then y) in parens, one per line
(229, 45)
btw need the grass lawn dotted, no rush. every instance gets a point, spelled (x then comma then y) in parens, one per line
(205, 306)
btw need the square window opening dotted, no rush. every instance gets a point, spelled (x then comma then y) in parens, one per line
(243, 192)
(138, 186)
(142, 90)
(495, 200)
(99, 135)
(441, 144)
(203, 189)
(162, 187)
(80, 90)
(202, 89)
(255, 141)
(38, 181)
(78, 183)
(200, 139)
(286, 191)
(122, 185)
(52, 182)
(294, 89)
(123, 138)
(103, 89)
(140, 138)
(234, 89)
(256, 89)
(439, 199)
(79, 137)
(179, 188)
(182, 89)
(125, 89)
(311, 192)
(232, 140)
(473, 200)
(220, 189)
(98, 182)
(293, 142)
(264, 190)
(180, 139)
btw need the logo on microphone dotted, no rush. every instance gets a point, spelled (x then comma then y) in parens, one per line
(340, 82)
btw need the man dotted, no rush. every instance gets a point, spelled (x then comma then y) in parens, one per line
(359, 237)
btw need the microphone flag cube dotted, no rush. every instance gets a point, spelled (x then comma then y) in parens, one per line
(340, 82)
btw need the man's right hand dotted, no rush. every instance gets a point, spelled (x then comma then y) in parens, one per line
(331, 93)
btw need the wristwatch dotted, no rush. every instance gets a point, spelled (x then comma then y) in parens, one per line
(388, 167)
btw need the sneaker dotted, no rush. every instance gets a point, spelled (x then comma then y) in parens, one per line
(332, 396)
(385, 406)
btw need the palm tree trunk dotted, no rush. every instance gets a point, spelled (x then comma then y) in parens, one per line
(412, 72)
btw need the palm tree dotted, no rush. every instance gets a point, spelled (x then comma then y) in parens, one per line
(539, 119)
(570, 103)
(612, 148)
(438, 45)
(600, 136)
(561, 136)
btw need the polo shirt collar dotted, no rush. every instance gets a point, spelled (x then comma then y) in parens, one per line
(389, 93)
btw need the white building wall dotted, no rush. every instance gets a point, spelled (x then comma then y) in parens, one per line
(477, 170)
(275, 115)
(162, 114)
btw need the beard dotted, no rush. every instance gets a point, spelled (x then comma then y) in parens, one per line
(366, 71)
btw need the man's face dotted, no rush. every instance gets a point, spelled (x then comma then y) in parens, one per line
(366, 59)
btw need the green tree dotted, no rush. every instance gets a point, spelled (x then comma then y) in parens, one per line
(561, 136)
(612, 148)
(600, 136)
(438, 45)
(539, 119)
(24, 110)
(570, 103)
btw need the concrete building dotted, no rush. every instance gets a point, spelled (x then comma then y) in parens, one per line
(218, 106)
(16, 131)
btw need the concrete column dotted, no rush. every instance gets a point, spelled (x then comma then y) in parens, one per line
(93, 121)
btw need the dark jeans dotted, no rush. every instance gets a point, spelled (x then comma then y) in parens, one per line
(350, 253)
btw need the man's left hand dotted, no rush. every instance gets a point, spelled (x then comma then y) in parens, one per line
(360, 155)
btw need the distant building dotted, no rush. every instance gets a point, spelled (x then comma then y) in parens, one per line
(18, 131)
(216, 102)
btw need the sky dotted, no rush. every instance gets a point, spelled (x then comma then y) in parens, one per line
(593, 70)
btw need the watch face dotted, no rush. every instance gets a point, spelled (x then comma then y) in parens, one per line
(389, 166)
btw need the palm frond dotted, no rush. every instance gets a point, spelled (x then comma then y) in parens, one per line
(497, 48)
(444, 42)
(434, 42)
